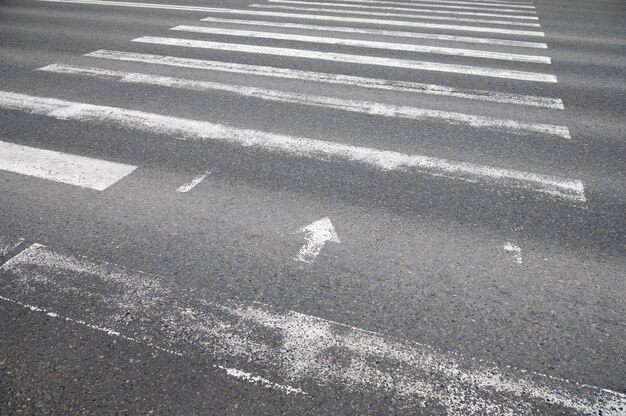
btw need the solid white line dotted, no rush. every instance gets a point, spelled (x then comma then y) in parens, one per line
(408, 9)
(441, 7)
(367, 44)
(354, 59)
(61, 167)
(570, 190)
(404, 15)
(303, 349)
(382, 32)
(385, 22)
(251, 378)
(364, 107)
(188, 186)
(478, 3)
(349, 80)
(138, 5)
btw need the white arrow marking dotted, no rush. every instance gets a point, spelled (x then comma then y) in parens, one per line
(318, 233)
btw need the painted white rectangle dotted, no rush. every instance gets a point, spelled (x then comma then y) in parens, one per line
(444, 7)
(567, 190)
(192, 184)
(136, 5)
(471, 53)
(406, 9)
(403, 15)
(381, 32)
(404, 23)
(354, 59)
(479, 3)
(75, 170)
(265, 342)
(364, 107)
(347, 80)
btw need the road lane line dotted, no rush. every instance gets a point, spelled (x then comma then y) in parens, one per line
(480, 3)
(357, 106)
(388, 14)
(381, 32)
(348, 80)
(405, 23)
(251, 378)
(137, 5)
(75, 170)
(289, 345)
(406, 9)
(367, 44)
(441, 7)
(195, 181)
(354, 59)
(567, 190)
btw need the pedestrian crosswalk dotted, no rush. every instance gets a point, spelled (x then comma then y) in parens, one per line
(226, 30)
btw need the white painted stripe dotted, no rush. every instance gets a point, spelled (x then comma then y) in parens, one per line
(364, 107)
(381, 32)
(251, 378)
(61, 167)
(441, 7)
(570, 190)
(408, 9)
(348, 80)
(137, 5)
(354, 59)
(472, 3)
(7, 245)
(424, 25)
(283, 344)
(188, 186)
(367, 44)
(403, 15)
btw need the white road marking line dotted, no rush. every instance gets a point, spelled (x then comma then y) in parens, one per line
(471, 3)
(385, 22)
(407, 9)
(251, 378)
(349, 80)
(80, 322)
(441, 7)
(569, 190)
(381, 32)
(75, 170)
(134, 4)
(367, 44)
(316, 234)
(353, 59)
(6, 245)
(357, 106)
(189, 186)
(404, 15)
(290, 345)
(516, 250)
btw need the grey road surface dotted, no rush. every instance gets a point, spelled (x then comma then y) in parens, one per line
(313, 207)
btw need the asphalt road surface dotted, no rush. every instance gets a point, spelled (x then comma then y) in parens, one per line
(313, 207)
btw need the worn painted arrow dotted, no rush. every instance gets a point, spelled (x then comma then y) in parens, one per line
(317, 234)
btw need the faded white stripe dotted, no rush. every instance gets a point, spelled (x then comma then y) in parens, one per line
(355, 59)
(300, 348)
(407, 9)
(441, 7)
(382, 32)
(61, 167)
(138, 5)
(471, 3)
(385, 22)
(349, 80)
(7, 245)
(364, 107)
(367, 44)
(251, 378)
(571, 190)
(403, 15)
(188, 186)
